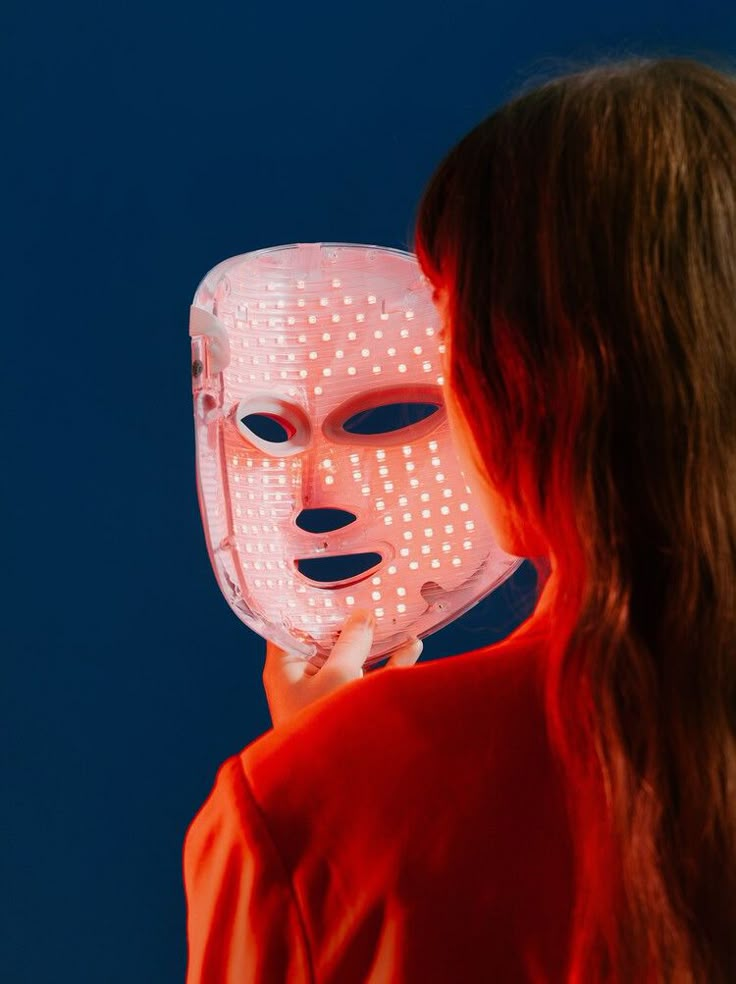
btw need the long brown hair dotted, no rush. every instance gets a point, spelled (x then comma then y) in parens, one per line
(586, 234)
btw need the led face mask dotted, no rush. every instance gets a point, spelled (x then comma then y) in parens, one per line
(300, 354)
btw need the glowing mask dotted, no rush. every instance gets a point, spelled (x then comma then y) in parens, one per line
(312, 340)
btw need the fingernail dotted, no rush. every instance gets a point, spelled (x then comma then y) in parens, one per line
(364, 617)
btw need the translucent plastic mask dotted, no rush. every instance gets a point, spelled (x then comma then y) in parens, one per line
(312, 341)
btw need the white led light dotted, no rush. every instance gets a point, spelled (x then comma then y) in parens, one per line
(388, 520)
(380, 504)
(312, 319)
(435, 562)
(380, 455)
(408, 315)
(424, 496)
(456, 561)
(312, 355)
(391, 352)
(417, 350)
(408, 535)
(351, 370)
(336, 282)
(467, 544)
(428, 532)
(365, 353)
(376, 595)
(371, 299)
(383, 471)
(402, 367)
(327, 371)
(376, 580)
(379, 613)
(354, 459)
(347, 300)
(400, 608)
(439, 477)
(463, 507)
(409, 466)
(318, 391)
(376, 370)
(350, 600)
(470, 525)
(300, 284)
(352, 336)
(302, 338)
(446, 547)
(301, 302)
(357, 475)
(327, 463)
(291, 356)
(326, 336)
(378, 333)
(336, 319)
(407, 451)
(449, 528)
(303, 373)
(407, 517)
(413, 565)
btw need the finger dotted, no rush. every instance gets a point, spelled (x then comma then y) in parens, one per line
(406, 655)
(354, 644)
(283, 665)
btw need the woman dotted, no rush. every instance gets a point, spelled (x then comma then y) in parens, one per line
(560, 806)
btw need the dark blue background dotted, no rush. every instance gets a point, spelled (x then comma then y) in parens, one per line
(142, 145)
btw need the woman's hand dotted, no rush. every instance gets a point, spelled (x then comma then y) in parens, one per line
(291, 682)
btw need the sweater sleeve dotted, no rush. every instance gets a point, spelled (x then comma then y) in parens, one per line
(244, 925)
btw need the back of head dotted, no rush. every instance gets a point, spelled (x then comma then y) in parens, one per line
(586, 235)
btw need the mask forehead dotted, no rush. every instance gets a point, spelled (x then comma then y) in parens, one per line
(311, 335)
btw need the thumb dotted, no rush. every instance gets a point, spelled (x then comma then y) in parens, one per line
(354, 644)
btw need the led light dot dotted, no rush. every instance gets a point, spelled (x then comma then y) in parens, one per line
(435, 563)
(350, 600)
(352, 336)
(371, 299)
(365, 353)
(456, 561)
(408, 535)
(339, 353)
(312, 355)
(351, 370)
(417, 350)
(326, 336)
(376, 595)
(402, 367)
(409, 466)
(312, 319)
(414, 565)
(401, 608)
(318, 391)
(391, 351)
(392, 569)
(376, 580)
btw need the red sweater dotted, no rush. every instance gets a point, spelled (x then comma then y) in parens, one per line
(409, 828)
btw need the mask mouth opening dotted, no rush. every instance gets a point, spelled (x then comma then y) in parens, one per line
(338, 570)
